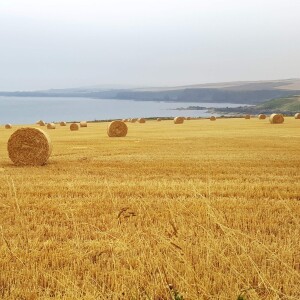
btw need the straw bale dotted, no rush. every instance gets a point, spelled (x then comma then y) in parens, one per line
(63, 123)
(117, 129)
(262, 116)
(276, 119)
(133, 120)
(41, 123)
(51, 126)
(158, 119)
(29, 146)
(141, 120)
(213, 118)
(8, 126)
(297, 116)
(83, 124)
(247, 117)
(178, 120)
(74, 127)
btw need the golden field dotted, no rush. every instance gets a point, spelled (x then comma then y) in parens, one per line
(200, 210)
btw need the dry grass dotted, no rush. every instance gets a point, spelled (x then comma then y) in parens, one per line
(212, 209)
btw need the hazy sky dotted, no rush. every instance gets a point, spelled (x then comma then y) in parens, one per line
(72, 43)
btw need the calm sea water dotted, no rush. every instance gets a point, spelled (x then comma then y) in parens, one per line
(27, 110)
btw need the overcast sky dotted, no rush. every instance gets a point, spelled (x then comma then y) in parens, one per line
(72, 43)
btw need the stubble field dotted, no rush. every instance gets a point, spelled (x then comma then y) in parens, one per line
(202, 210)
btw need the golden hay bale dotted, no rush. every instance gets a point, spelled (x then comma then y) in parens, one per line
(158, 119)
(29, 146)
(262, 116)
(133, 120)
(83, 124)
(247, 117)
(8, 126)
(124, 120)
(74, 127)
(41, 123)
(51, 126)
(213, 118)
(297, 116)
(117, 129)
(63, 124)
(276, 119)
(141, 120)
(178, 120)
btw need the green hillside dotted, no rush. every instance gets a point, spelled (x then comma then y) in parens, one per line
(291, 104)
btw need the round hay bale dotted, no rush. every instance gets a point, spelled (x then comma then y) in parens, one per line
(188, 118)
(29, 147)
(117, 129)
(276, 119)
(74, 127)
(141, 120)
(133, 120)
(51, 126)
(262, 116)
(158, 119)
(63, 124)
(213, 118)
(41, 123)
(124, 120)
(297, 116)
(83, 124)
(8, 126)
(178, 120)
(247, 117)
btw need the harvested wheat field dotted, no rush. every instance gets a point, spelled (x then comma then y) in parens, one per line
(200, 211)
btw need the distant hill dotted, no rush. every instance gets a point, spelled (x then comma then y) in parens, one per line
(285, 105)
(247, 92)
(291, 104)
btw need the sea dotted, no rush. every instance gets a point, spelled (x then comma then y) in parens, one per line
(28, 110)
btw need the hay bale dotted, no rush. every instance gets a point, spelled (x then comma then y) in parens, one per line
(117, 129)
(8, 126)
(83, 124)
(51, 126)
(158, 119)
(188, 118)
(276, 119)
(41, 123)
(213, 118)
(141, 120)
(261, 117)
(63, 124)
(29, 147)
(297, 116)
(178, 120)
(133, 120)
(247, 117)
(74, 127)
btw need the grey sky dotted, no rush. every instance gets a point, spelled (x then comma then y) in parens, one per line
(70, 43)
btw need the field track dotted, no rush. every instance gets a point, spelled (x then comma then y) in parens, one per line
(203, 210)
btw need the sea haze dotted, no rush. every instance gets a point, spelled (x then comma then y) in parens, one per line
(27, 110)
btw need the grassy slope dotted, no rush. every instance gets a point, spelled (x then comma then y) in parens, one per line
(210, 207)
(282, 104)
